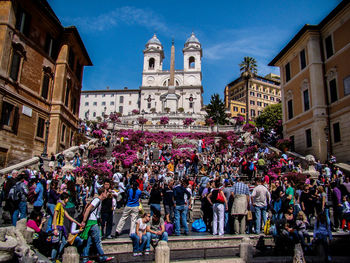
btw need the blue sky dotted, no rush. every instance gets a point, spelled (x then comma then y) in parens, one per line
(115, 33)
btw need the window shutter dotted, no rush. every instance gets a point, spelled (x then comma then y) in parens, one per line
(15, 120)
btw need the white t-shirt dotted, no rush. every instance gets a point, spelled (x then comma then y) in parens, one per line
(95, 214)
(142, 226)
(117, 177)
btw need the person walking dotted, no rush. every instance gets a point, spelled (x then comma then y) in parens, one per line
(240, 193)
(218, 200)
(260, 199)
(180, 208)
(92, 231)
(131, 209)
(18, 199)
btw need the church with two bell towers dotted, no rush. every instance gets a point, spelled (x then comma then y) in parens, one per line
(172, 90)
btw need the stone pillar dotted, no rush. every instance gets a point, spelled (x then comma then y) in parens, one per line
(246, 250)
(162, 252)
(70, 255)
(298, 254)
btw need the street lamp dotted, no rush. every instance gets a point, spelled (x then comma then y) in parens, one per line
(142, 113)
(47, 124)
(326, 132)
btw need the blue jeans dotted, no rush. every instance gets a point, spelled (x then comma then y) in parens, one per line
(155, 206)
(260, 211)
(137, 247)
(180, 210)
(51, 210)
(60, 246)
(227, 222)
(94, 237)
(22, 210)
(151, 236)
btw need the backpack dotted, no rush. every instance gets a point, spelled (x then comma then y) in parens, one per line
(15, 193)
(251, 166)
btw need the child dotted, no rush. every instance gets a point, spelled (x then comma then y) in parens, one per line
(346, 213)
(301, 226)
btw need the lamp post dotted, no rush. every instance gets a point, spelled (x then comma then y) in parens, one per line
(142, 113)
(326, 132)
(47, 124)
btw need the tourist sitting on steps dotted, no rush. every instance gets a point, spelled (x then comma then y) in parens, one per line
(139, 237)
(155, 230)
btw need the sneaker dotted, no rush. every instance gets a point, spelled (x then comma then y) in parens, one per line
(109, 237)
(109, 259)
(147, 252)
(135, 254)
(90, 261)
(116, 235)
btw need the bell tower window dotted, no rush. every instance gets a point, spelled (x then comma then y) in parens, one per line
(151, 63)
(191, 62)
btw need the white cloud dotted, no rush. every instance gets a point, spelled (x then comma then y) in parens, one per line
(123, 15)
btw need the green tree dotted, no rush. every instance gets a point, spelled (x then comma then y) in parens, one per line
(216, 110)
(271, 117)
(248, 69)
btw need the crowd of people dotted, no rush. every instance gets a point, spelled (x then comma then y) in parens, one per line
(236, 197)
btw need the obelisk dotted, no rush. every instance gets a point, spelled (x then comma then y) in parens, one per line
(172, 65)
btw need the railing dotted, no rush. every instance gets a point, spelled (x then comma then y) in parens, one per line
(35, 160)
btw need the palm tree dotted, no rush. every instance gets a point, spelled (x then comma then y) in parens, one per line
(248, 70)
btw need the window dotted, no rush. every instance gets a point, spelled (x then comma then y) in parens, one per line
(252, 113)
(191, 62)
(329, 46)
(290, 109)
(252, 93)
(151, 63)
(121, 99)
(308, 138)
(112, 95)
(148, 105)
(292, 143)
(9, 116)
(306, 100)
(63, 134)
(336, 132)
(347, 86)
(259, 103)
(45, 86)
(74, 106)
(71, 58)
(15, 65)
(103, 95)
(252, 102)
(66, 101)
(95, 95)
(40, 128)
(121, 109)
(71, 138)
(266, 104)
(302, 59)
(272, 98)
(235, 109)
(242, 110)
(259, 112)
(94, 114)
(86, 103)
(111, 103)
(103, 103)
(333, 90)
(258, 95)
(287, 70)
(86, 96)
(23, 21)
(95, 103)
(266, 97)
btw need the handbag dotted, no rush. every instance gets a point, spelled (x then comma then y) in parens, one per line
(249, 216)
(71, 238)
(220, 197)
(199, 226)
(141, 211)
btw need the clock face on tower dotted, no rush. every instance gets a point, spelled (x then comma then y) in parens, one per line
(150, 80)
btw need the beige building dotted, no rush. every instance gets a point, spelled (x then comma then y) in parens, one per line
(41, 70)
(315, 73)
(263, 91)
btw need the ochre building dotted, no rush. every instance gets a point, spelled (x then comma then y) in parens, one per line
(315, 74)
(263, 91)
(41, 70)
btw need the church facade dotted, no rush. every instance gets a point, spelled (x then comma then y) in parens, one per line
(171, 90)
